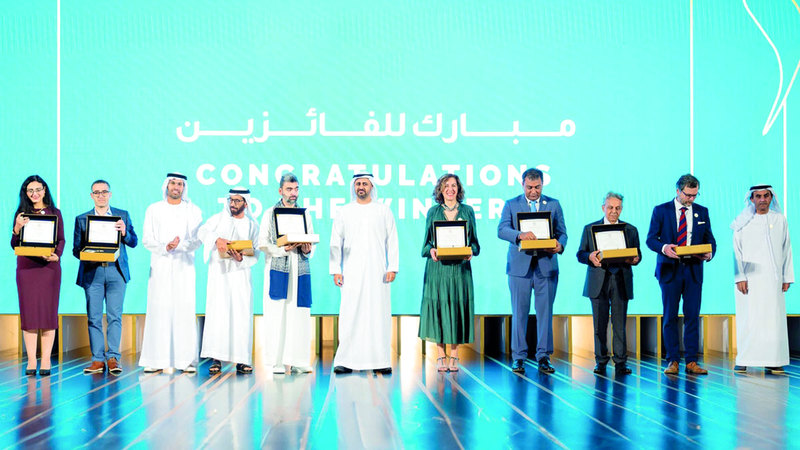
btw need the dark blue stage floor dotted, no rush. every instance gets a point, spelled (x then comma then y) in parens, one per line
(484, 405)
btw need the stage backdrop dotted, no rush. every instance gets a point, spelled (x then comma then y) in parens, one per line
(624, 96)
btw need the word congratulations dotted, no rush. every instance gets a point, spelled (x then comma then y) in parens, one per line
(372, 128)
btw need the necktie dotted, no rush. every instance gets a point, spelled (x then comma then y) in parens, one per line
(682, 228)
(533, 207)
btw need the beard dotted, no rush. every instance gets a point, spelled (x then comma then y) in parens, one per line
(235, 211)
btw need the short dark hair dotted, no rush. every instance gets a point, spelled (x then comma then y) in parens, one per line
(687, 180)
(532, 174)
(100, 181)
(288, 177)
(438, 195)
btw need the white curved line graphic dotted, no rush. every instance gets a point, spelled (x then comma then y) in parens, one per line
(773, 114)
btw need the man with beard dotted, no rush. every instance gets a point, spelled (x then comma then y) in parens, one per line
(228, 331)
(170, 234)
(287, 289)
(364, 259)
(763, 273)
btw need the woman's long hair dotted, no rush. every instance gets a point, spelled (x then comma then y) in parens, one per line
(25, 204)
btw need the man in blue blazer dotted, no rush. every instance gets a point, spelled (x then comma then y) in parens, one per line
(532, 270)
(609, 285)
(677, 223)
(104, 281)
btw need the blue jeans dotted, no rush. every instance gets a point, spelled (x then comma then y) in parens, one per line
(107, 284)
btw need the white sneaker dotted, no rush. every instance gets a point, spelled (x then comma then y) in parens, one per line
(151, 370)
(278, 369)
(190, 369)
(302, 369)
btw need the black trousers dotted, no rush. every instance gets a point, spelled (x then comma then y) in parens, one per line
(612, 297)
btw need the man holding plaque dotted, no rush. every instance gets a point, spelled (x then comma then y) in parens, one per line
(609, 283)
(170, 234)
(677, 227)
(537, 270)
(763, 273)
(364, 260)
(228, 330)
(104, 281)
(287, 287)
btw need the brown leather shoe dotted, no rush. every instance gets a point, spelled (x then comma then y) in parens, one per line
(95, 367)
(113, 366)
(672, 368)
(694, 369)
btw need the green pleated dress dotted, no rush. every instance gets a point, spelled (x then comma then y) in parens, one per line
(447, 310)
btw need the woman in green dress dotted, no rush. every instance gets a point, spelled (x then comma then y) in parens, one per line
(446, 314)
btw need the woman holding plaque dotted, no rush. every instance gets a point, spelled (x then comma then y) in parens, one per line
(446, 314)
(38, 277)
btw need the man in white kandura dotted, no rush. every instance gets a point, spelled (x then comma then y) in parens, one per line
(763, 274)
(228, 330)
(170, 233)
(287, 289)
(364, 260)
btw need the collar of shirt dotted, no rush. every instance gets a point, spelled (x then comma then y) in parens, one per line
(534, 203)
(108, 212)
(678, 207)
(606, 222)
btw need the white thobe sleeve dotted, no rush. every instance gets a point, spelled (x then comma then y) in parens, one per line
(149, 239)
(788, 267)
(738, 265)
(337, 243)
(206, 234)
(191, 242)
(265, 238)
(392, 248)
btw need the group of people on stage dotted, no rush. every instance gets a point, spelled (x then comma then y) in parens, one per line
(364, 260)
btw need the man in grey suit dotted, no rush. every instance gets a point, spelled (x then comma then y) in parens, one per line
(537, 270)
(609, 284)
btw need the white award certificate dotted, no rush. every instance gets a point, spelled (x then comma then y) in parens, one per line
(450, 237)
(102, 232)
(291, 223)
(39, 232)
(610, 240)
(539, 227)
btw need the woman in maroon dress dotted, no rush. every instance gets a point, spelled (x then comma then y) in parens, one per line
(38, 278)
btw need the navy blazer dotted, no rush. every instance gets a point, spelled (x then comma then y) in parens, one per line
(595, 276)
(517, 262)
(87, 268)
(664, 230)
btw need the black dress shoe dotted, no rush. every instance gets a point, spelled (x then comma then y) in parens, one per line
(342, 369)
(44, 372)
(740, 369)
(599, 368)
(518, 366)
(384, 371)
(622, 369)
(30, 372)
(545, 366)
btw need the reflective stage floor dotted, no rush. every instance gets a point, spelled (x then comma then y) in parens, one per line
(484, 405)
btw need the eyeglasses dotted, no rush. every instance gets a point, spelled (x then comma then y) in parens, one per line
(101, 192)
(690, 195)
(236, 201)
(35, 191)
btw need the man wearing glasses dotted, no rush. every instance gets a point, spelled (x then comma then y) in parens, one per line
(676, 223)
(104, 281)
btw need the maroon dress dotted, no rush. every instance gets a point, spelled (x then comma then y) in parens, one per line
(39, 283)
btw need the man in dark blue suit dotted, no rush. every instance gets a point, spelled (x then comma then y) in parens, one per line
(532, 270)
(106, 280)
(677, 223)
(609, 285)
